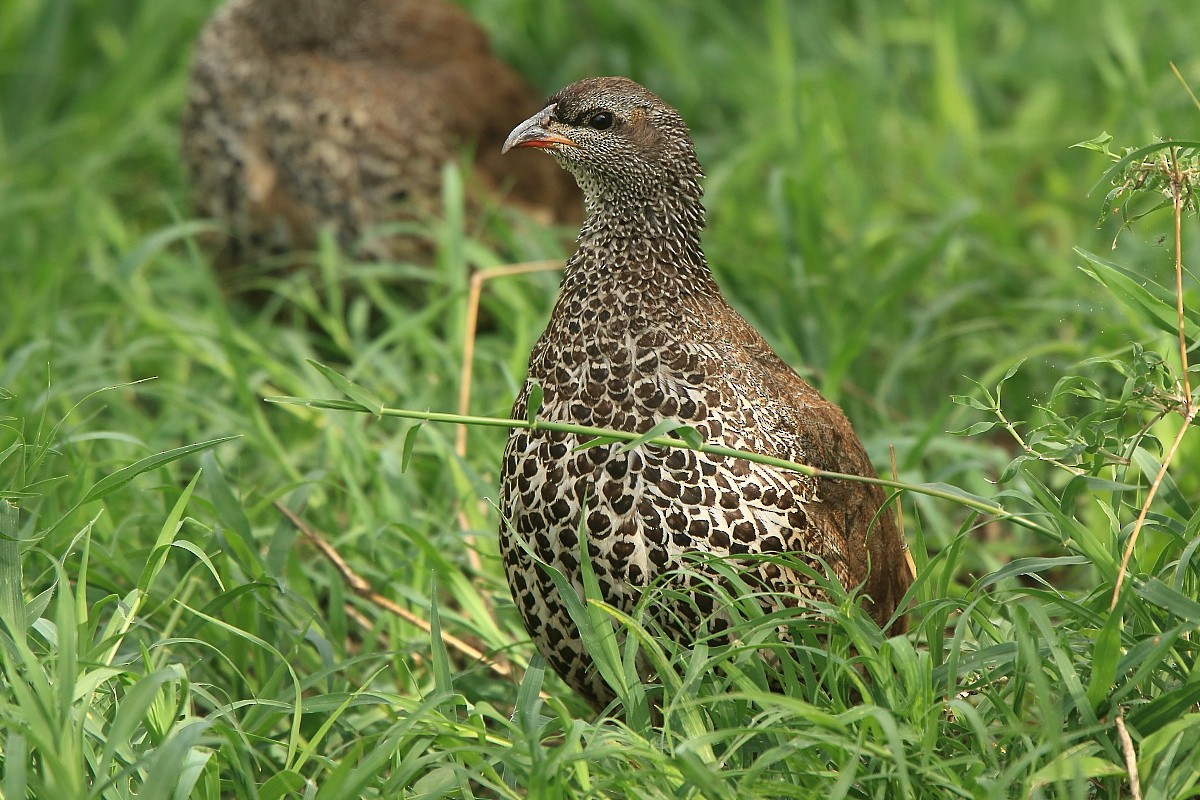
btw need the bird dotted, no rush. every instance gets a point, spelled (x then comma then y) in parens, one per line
(309, 113)
(640, 333)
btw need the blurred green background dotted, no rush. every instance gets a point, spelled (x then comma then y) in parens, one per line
(893, 199)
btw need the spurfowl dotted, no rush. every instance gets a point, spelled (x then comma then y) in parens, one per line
(303, 113)
(641, 333)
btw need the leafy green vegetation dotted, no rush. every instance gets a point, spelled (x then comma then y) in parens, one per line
(893, 199)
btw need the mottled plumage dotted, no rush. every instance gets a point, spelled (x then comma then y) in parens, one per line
(641, 333)
(304, 113)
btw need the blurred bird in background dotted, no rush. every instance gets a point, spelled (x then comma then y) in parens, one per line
(310, 113)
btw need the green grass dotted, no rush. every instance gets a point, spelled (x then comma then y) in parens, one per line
(892, 199)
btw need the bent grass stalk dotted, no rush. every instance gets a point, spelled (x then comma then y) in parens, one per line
(604, 435)
(478, 279)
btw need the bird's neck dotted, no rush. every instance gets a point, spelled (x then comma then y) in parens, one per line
(646, 250)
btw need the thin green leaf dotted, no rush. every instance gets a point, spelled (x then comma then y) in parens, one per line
(410, 442)
(970, 402)
(12, 601)
(229, 509)
(358, 394)
(1008, 373)
(1153, 303)
(1073, 767)
(1156, 592)
(1106, 654)
(202, 557)
(690, 436)
(975, 429)
(132, 710)
(166, 535)
(1099, 144)
(1028, 566)
(533, 403)
(663, 428)
(443, 679)
(109, 484)
(1165, 708)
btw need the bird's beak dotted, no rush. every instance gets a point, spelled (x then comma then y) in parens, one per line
(534, 132)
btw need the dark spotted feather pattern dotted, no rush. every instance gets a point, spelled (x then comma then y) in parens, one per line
(641, 333)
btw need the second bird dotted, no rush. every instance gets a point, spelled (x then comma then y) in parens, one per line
(641, 333)
(342, 113)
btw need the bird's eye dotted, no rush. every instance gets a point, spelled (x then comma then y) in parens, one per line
(601, 121)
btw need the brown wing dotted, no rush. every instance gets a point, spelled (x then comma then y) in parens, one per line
(821, 436)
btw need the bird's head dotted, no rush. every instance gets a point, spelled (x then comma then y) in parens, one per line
(623, 144)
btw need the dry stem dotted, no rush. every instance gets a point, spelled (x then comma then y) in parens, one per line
(1135, 784)
(912, 565)
(1177, 202)
(1187, 408)
(363, 589)
(470, 329)
(472, 323)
